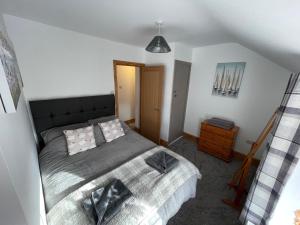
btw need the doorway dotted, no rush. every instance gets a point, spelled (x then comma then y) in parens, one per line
(179, 99)
(127, 92)
(138, 94)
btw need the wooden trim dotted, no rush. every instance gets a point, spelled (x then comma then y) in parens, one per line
(297, 217)
(136, 129)
(162, 78)
(127, 63)
(237, 155)
(164, 143)
(130, 121)
(191, 137)
(122, 63)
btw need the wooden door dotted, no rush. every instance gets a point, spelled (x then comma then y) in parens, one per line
(151, 95)
(179, 98)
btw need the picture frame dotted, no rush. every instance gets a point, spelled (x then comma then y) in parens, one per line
(10, 76)
(228, 79)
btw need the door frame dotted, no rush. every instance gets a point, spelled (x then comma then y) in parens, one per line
(122, 63)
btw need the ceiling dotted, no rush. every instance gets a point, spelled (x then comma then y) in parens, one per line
(269, 27)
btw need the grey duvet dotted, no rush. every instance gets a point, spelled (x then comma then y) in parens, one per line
(63, 174)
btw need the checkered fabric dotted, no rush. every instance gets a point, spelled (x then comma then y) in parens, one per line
(150, 191)
(280, 158)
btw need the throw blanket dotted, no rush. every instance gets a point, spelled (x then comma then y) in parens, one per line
(150, 191)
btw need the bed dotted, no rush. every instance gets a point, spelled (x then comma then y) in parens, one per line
(67, 180)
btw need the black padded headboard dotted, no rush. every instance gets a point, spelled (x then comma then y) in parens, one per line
(64, 111)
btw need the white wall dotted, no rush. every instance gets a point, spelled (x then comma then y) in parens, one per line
(3, 30)
(261, 91)
(126, 91)
(183, 52)
(11, 211)
(18, 151)
(56, 62)
(59, 63)
(21, 191)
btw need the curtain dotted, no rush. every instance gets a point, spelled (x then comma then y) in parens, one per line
(281, 156)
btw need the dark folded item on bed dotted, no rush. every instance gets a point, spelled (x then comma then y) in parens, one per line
(106, 202)
(162, 162)
(226, 124)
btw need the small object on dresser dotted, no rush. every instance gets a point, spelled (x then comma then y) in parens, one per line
(226, 124)
(217, 141)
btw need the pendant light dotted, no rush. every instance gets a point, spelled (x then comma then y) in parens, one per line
(158, 43)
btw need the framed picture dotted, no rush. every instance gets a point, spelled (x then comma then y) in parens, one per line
(228, 79)
(10, 83)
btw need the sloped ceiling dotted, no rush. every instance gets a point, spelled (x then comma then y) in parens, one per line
(269, 27)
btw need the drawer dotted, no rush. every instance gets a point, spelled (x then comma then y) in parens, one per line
(219, 131)
(215, 147)
(217, 139)
(215, 150)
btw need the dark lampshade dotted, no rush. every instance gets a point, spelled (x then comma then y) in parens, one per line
(158, 45)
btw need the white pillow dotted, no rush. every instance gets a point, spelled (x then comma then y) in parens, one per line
(112, 130)
(80, 139)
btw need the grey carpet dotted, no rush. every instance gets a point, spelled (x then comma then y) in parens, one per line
(207, 208)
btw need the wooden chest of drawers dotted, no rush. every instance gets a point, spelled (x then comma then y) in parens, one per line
(217, 141)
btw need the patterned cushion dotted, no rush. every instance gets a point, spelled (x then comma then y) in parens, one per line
(97, 129)
(80, 140)
(112, 130)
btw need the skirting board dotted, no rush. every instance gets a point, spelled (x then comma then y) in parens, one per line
(163, 143)
(190, 137)
(129, 121)
(136, 129)
(236, 154)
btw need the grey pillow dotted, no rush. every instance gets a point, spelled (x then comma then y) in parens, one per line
(97, 129)
(98, 135)
(126, 128)
(102, 119)
(50, 134)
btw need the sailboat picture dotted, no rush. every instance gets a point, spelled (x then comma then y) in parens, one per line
(228, 79)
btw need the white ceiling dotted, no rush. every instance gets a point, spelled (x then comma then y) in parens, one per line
(269, 27)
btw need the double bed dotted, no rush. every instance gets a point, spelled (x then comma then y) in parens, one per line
(68, 179)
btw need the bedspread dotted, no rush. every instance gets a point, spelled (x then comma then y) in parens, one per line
(150, 191)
